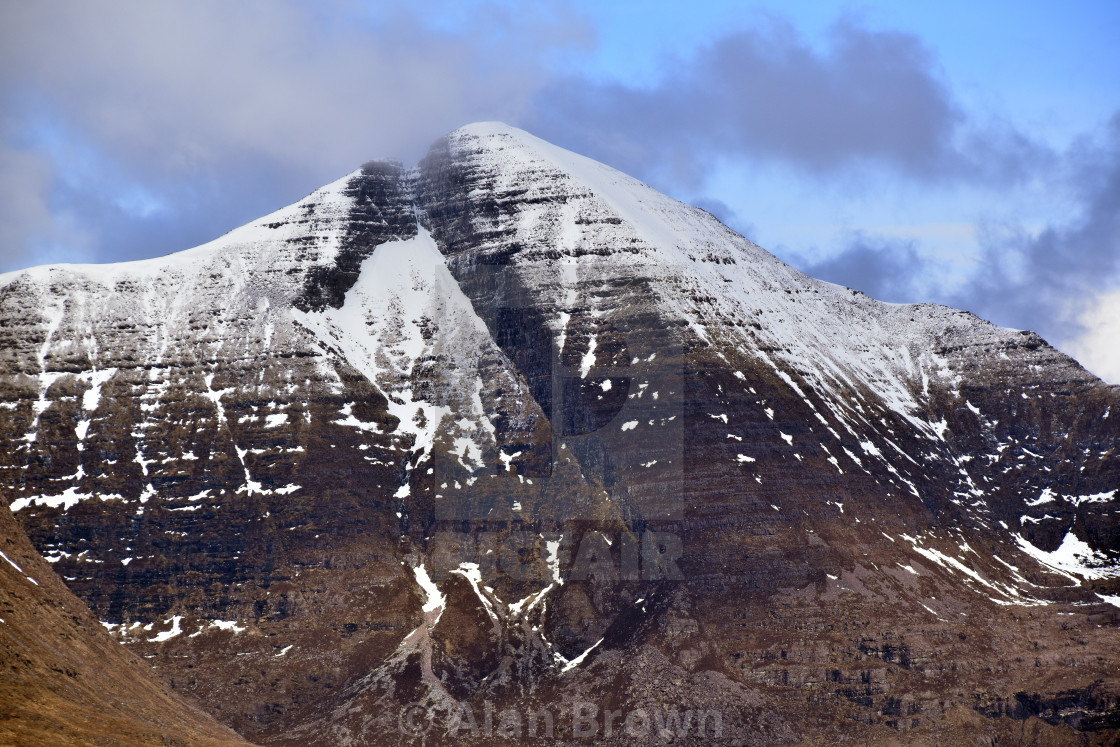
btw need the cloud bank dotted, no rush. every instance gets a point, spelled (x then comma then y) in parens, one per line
(132, 129)
(868, 97)
(1062, 280)
(193, 117)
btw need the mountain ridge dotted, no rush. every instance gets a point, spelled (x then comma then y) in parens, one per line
(511, 373)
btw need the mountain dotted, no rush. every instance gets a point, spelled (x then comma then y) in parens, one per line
(510, 435)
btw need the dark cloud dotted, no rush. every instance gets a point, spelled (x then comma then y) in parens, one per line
(1044, 280)
(883, 268)
(768, 93)
(869, 97)
(725, 214)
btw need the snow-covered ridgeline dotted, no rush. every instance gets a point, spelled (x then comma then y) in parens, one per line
(268, 243)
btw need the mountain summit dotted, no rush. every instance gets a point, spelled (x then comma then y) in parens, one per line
(511, 430)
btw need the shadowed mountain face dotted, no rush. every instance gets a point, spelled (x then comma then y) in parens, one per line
(510, 442)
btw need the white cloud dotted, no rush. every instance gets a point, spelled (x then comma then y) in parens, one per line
(123, 111)
(190, 84)
(26, 177)
(1098, 349)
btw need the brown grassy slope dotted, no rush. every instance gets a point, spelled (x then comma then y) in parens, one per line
(64, 681)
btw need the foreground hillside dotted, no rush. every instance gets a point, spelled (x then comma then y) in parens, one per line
(64, 681)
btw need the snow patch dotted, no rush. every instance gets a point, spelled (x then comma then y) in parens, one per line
(275, 420)
(1073, 556)
(570, 665)
(167, 635)
(230, 625)
(434, 600)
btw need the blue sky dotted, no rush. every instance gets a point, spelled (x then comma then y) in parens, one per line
(964, 153)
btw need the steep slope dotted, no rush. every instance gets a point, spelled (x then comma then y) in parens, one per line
(64, 681)
(513, 428)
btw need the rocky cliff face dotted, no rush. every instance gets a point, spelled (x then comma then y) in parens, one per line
(511, 430)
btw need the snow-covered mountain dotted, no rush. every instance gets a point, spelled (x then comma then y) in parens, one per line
(512, 427)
